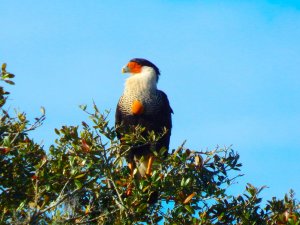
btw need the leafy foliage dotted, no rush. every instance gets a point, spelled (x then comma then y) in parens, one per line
(83, 179)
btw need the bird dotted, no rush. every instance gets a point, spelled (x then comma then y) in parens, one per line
(142, 104)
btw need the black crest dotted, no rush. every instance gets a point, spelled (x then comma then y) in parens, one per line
(145, 62)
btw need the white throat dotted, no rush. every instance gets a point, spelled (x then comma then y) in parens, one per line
(141, 83)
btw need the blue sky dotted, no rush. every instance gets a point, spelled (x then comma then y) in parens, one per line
(231, 70)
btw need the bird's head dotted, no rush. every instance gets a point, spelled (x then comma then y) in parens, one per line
(141, 67)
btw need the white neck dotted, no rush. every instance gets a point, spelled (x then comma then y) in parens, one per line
(145, 81)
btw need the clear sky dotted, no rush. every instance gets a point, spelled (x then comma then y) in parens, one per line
(231, 70)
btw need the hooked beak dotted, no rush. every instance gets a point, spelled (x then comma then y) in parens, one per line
(125, 69)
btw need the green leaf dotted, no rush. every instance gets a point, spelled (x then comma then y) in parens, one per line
(10, 82)
(80, 175)
(10, 75)
(78, 183)
(182, 182)
(83, 107)
(4, 67)
(187, 181)
(57, 131)
(48, 187)
(7, 76)
(43, 111)
(21, 206)
(6, 142)
(189, 209)
(21, 117)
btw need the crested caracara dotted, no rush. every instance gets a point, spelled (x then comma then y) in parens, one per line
(144, 105)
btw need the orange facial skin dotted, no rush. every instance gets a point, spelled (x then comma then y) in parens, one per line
(137, 108)
(134, 67)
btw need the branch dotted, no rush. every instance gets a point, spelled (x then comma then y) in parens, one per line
(114, 184)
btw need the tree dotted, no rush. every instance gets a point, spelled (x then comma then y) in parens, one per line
(82, 179)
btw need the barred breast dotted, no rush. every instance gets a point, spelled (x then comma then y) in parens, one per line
(152, 102)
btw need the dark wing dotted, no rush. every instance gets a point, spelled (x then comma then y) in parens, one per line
(163, 119)
(164, 113)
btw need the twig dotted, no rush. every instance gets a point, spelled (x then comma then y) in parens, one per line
(98, 217)
(35, 125)
(60, 197)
